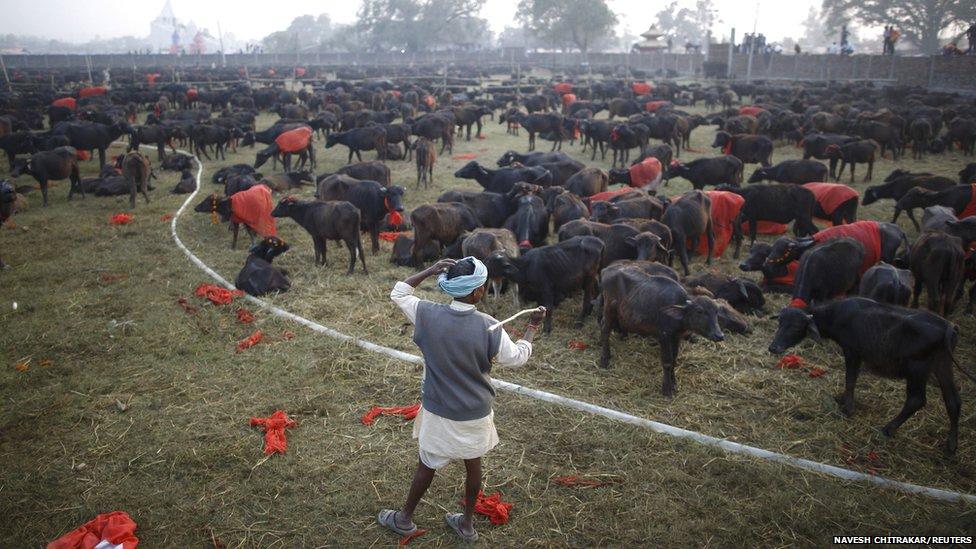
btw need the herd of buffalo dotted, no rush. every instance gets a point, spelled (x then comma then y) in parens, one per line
(549, 227)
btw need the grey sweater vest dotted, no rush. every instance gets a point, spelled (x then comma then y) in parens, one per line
(458, 350)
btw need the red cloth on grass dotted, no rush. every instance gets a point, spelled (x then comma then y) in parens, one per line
(751, 110)
(970, 208)
(408, 412)
(116, 527)
(274, 431)
(216, 294)
(641, 88)
(253, 208)
(293, 141)
(653, 106)
(568, 99)
(648, 170)
(725, 208)
(607, 195)
(831, 195)
(865, 232)
(121, 219)
(250, 341)
(68, 102)
(563, 87)
(92, 90)
(492, 507)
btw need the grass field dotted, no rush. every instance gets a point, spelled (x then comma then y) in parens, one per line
(129, 403)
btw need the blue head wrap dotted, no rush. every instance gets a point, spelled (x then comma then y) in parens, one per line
(461, 286)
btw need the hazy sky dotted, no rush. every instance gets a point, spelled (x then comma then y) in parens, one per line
(83, 20)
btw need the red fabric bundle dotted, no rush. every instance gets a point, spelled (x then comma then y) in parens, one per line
(293, 141)
(641, 88)
(789, 362)
(647, 171)
(166, 217)
(116, 528)
(799, 303)
(391, 236)
(725, 208)
(569, 99)
(653, 106)
(394, 217)
(253, 208)
(92, 90)
(274, 431)
(607, 195)
(816, 372)
(865, 232)
(493, 507)
(250, 341)
(121, 219)
(82, 155)
(408, 412)
(970, 208)
(751, 110)
(67, 102)
(766, 227)
(405, 540)
(577, 344)
(727, 149)
(216, 294)
(245, 316)
(831, 195)
(563, 88)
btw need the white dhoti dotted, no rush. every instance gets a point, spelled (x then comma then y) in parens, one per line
(442, 439)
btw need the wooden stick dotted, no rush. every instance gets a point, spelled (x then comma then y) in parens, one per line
(499, 324)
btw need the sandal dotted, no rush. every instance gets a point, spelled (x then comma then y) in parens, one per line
(454, 521)
(387, 518)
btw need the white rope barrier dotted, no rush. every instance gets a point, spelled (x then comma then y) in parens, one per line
(726, 445)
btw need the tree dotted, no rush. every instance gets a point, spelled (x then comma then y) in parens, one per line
(567, 23)
(814, 30)
(687, 25)
(417, 25)
(919, 21)
(304, 33)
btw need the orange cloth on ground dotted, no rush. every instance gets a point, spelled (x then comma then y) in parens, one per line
(563, 87)
(648, 170)
(116, 527)
(492, 507)
(751, 110)
(92, 90)
(68, 102)
(605, 196)
(970, 208)
(653, 106)
(253, 208)
(831, 195)
(641, 88)
(250, 341)
(216, 295)
(408, 412)
(121, 219)
(293, 141)
(274, 431)
(865, 232)
(725, 208)
(569, 99)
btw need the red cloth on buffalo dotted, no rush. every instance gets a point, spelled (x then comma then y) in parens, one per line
(92, 90)
(641, 88)
(653, 106)
(192, 94)
(293, 141)
(766, 227)
(865, 232)
(831, 195)
(607, 195)
(569, 99)
(725, 208)
(116, 527)
(299, 72)
(563, 87)
(750, 110)
(429, 101)
(67, 102)
(253, 208)
(790, 275)
(970, 208)
(152, 77)
(647, 171)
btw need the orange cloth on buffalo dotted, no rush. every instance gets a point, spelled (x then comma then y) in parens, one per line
(274, 431)
(563, 87)
(293, 141)
(92, 90)
(408, 412)
(192, 94)
(790, 275)
(970, 208)
(253, 208)
(117, 528)
(641, 88)
(569, 99)
(391, 236)
(865, 232)
(648, 170)
(750, 110)
(67, 102)
(765, 227)
(607, 195)
(653, 106)
(831, 195)
(725, 208)
(300, 71)
(429, 101)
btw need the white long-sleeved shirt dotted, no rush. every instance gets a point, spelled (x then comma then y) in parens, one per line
(510, 353)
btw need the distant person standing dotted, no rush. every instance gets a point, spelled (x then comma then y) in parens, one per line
(894, 40)
(796, 49)
(971, 38)
(887, 40)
